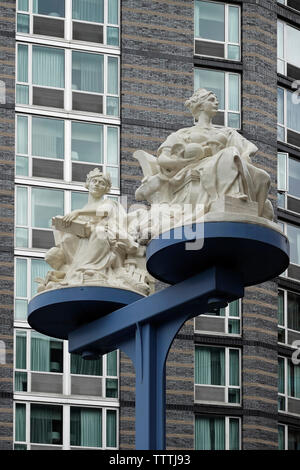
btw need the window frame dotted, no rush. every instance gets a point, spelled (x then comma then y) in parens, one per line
(66, 373)
(67, 160)
(285, 326)
(227, 385)
(226, 109)
(227, 317)
(284, 127)
(284, 60)
(66, 423)
(226, 42)
(227, 424)
(285, 395)
(67, 89)
(68, 25)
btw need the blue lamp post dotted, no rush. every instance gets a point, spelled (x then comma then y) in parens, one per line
(97, 320)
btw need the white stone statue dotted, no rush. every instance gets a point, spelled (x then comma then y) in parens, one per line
(94, 247)
(206, 169)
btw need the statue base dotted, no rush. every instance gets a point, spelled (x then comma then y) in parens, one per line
(259, 252)
(58, 312)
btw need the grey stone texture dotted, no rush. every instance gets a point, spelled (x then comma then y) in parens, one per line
(7, 138)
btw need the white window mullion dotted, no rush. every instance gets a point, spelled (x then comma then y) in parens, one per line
(226, 433)
(30, 146)
(68, 151)
(28, 430)
(227, 363)
(68, 20)
(68, 80)
(66, 427)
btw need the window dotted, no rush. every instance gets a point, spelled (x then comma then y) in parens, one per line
(293, 233)
(221, 321)
(217, 433)
(226, 86)
(27, 270)
(93, 85)
(94, 21)
(288, 182)
(90, 428)
(288, 316)
(217, 374)
(44, 143)
(217, 30)
(42, 364)
(35, 208)
(288, 117)
(290, 3)
(288, 57)
(288, 437)
(288, 386)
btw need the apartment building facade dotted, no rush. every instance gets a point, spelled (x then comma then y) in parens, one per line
(87, 83)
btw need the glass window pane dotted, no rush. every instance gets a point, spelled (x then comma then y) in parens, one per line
(45, 204)
(293, 380)
(212, 80)
(281, 385)
(112, 145)
(21, 237)
(78, 200)
(294, 177)
(22, 23)
(22, 63)
(234, 434)
(21, 349)
(20, 422)
(113, 76)
(112, 366)
(234, 120)
(21, 308)
(22, 206)
(293, 234)
(113, 11)
(281, 171)
(111, 428)
(234, 327)
(293, 112)
(281, 437)
(233, 27)
(233, 52)
(209, 433)
(39, 268)
(111, 388)
(83, 367)
(86, 427)
(46, 424)
(23, 5)
(234, 367)
(210, 366)
(234, 92)
(293, 311)
(281, 308)
(234, 308)
(21, 277)
(280, 105)
(280, 40)
(112, 36)
(48, 66)
(22, 94)
(114, 176)
(50, 8)
(46, 353)
(292, 50)
(22, 134)
(87, 72)
(293, 438)
(112, 106)
(210, 20)
(88, 10)
(20, 381)
(87, 142)
(281, 66)
(47, 137)
(22, 166)
(281, 200)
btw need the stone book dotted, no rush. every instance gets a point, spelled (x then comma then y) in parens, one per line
(77, 227)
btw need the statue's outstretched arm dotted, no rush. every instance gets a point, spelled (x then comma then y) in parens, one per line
(148, 162)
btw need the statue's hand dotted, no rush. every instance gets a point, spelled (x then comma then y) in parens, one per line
(68, 219)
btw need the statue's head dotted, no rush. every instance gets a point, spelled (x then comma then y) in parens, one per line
(202, 101)
(98, 178)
